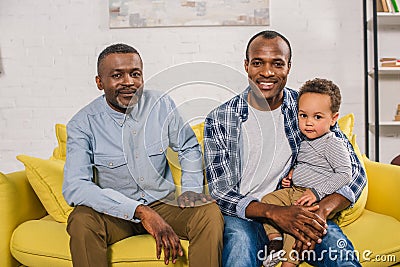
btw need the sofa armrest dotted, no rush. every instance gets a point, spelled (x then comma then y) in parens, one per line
(383, 188)
(19, 203)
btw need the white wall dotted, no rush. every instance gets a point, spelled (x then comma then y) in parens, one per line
(48, 53)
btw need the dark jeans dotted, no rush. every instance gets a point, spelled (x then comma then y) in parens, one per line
(245, 241)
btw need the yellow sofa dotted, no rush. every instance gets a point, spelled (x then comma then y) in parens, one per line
(31, 237)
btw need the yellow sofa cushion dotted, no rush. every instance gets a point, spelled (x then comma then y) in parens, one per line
(46, 178)
(31, 247)
(375, 235)
(384, 182)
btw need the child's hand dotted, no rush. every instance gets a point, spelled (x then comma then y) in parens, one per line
(287, 181)
(307, 199)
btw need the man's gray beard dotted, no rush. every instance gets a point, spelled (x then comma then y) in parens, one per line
(134, 100)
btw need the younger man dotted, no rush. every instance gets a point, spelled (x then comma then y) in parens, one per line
(268, 63)
(323, 164)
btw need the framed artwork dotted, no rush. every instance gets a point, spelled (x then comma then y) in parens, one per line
(172, 13)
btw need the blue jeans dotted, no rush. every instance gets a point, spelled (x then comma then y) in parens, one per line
(245, 241)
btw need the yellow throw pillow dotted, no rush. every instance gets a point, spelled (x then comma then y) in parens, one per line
(60, 152)
(46, 178)
(346, 125)
(357, 149)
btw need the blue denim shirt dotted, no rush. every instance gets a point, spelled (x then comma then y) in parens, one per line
(223, 146)
(129, 154)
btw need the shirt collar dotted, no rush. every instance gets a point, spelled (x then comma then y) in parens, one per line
(118, 117)
(286, 99)
(244, 111)
(243, 106)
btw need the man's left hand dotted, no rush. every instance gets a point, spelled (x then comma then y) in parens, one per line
(300, 246)
(330, 204)
(189, 198)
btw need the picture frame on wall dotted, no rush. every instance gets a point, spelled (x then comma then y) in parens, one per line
(179, 13)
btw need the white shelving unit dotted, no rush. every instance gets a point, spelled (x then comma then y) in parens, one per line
(382, 84)
(386, 18)
(387, 123)
(386, 71)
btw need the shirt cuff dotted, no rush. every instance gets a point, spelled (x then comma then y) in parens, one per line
(242, 205)
(316, 194)
(134, 219)
(123, 206)
(128, 210)
(347, 193)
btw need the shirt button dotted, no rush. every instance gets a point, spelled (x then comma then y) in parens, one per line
(126, 216)
(141, 179)
(110, 164)
(143, 195)
(134, 132)
(161, 150)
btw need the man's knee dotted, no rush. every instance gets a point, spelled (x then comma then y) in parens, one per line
(83, 220)
(209, 216)
(213, 212)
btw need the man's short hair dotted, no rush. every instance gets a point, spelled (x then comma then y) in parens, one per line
(325, 87)
(116, 49)
(269, 35)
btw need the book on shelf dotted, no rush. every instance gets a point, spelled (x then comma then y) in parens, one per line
(379, 7)
(395, 6)
(384, 6)
(397, 116)
(391, 5)
(390, 62)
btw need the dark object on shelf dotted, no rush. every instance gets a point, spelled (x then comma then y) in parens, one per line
(396, 161)
(397, 116)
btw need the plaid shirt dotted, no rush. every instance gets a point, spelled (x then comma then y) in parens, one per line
(223, 145)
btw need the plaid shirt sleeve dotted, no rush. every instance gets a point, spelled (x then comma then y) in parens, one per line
(352, 191)
(221, 172)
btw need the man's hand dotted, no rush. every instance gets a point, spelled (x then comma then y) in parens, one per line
(188, 199)
(162, 233)
(330, 204)
(307, 199)
(300, 246)
(299, 221)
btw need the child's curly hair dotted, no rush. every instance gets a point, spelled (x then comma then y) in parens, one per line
(325, 87)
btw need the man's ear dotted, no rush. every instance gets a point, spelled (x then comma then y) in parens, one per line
(246, 65)
(99, 83)
(334, 118)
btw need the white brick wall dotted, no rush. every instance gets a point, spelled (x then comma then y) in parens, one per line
(48, 53)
